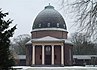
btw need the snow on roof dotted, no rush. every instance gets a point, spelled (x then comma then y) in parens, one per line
(68, 42)
(21, 57)
(74, 56)
(56, 29)
(84, 56)
(47, 38)
(29, 42)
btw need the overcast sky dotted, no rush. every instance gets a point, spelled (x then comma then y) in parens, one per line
(23, 12)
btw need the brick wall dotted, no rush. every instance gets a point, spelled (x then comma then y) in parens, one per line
(38, 55)
(67, 56)
(56, 34)
(57, 53)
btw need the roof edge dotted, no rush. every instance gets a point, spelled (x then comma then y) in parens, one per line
(53, 29)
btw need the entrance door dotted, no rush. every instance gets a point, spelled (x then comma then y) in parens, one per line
(47, 55)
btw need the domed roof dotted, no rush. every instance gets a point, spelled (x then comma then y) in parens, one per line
(49, 18)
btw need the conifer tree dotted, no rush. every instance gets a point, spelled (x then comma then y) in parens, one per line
(6, 59)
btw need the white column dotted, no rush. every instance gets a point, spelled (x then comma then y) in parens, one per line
(52, 55)
(43, 54)
(33, 55)
(62, 55)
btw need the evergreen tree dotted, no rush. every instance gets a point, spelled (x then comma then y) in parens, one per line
(6, 59)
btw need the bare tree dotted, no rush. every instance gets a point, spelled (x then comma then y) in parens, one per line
(19, 43)
(82, 45)
(86, 15)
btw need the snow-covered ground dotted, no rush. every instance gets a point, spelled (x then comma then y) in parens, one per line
(55, 68)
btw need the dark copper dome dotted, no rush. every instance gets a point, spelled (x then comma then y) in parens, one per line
(49, 18)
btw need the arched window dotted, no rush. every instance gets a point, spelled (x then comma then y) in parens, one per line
(57, 24)
(48, 49)
(64, 26)
(39, 25)
(48, 24)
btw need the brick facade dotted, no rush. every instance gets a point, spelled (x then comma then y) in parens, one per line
(57, 54)
(38, 55)
(44, 33)
(28, 54)
(68, 55)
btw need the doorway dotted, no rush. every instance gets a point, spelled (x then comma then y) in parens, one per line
(48, 55)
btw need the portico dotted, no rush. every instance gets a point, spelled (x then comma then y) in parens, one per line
(51, 51)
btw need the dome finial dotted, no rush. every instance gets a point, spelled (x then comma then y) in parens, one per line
(49, 7)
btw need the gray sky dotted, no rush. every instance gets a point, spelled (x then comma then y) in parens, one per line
(23, 12)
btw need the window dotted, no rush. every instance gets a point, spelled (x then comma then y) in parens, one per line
(34, 26)
(57, 24)
(48, 49)
(64, 25)
(48, 24)
(39, 25)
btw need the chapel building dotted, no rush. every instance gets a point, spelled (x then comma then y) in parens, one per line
(49, 45)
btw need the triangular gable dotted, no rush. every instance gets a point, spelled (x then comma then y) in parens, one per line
(47, 38)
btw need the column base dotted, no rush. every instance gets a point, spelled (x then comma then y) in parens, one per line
(62, 65)
(47, 65)
(33, 65)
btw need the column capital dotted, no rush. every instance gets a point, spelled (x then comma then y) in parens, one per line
(43, 45)
(52, 45)
(33, 45)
